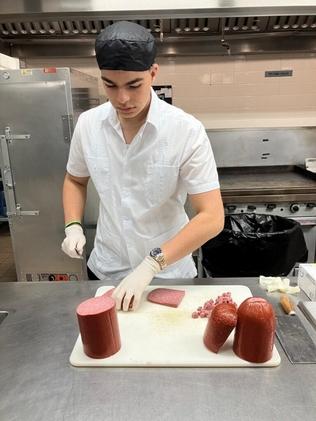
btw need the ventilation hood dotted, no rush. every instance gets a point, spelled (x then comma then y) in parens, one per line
(210, 27)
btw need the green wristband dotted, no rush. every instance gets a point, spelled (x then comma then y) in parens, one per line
(73, 223)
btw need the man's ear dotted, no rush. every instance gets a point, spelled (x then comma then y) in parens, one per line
(154, 70)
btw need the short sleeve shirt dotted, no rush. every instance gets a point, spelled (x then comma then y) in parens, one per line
(142, 186)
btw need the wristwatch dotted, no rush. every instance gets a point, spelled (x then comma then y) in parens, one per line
(158, 255)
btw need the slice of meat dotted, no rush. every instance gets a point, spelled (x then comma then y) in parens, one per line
(221, 322)
(99, 327)
(166, 296)
(254, 336)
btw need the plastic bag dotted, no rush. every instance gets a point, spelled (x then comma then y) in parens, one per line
(253, 244)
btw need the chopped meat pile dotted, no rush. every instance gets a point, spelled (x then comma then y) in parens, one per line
(208, 306)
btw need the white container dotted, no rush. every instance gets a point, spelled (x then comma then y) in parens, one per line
(310, 164)
(307, 279)
(8, 62)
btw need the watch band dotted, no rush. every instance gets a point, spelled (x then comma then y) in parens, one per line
(158, 255)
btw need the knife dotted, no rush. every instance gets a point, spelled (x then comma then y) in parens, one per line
(294, 338)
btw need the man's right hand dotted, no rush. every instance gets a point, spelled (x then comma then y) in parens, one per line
(74, 242)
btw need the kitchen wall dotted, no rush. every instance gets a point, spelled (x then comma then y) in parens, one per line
(228, 84)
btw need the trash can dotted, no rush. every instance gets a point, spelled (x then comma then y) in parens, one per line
(254, 244)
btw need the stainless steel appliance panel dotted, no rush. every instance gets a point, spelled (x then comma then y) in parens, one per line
(36, 125)
(119, 8)
(263, 146)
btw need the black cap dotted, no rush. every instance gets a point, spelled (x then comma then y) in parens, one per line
(125, 46)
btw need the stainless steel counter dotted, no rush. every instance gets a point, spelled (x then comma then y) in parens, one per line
(38, 383)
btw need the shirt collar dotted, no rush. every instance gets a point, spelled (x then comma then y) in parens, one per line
(154, 113)
(153, 116)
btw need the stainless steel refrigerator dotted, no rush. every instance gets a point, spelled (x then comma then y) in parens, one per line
(38, 110)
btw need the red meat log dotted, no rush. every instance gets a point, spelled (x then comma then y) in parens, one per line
(99, 327)
(221, 322)
(254, 336)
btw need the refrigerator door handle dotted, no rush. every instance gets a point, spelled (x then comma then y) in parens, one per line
(7, 178)
(14, 209)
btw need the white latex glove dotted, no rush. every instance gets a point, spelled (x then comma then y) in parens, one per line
(276, 283)
(74, 242)
(129, 292)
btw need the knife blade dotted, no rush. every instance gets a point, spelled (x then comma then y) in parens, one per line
(295, 340)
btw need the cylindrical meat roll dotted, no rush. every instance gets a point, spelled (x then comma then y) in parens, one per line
(221, 322)
(99, 327)
(254, 335)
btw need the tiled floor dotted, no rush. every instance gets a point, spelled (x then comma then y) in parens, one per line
(7, 266)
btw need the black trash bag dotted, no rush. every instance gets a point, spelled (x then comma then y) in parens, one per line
(253, 245)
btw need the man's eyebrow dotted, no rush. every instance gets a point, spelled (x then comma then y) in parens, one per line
(107, 80)
(131, 82)
(138, 79)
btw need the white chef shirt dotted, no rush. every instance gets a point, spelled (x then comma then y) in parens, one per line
(142, 186)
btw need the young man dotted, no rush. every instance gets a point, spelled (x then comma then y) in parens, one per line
(144, 156)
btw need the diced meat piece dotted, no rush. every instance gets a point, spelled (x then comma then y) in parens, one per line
(99, 327)
(166, 296)
(221, 322)
(195, 314)
(254, 336)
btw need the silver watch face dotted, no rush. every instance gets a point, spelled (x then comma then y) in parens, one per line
(155, 252)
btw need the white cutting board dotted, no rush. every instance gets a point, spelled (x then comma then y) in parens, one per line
(160, 336)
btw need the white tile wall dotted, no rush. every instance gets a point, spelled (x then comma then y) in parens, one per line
(234, 84)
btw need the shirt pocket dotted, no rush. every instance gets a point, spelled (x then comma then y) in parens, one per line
(161, 183)
(99, 170)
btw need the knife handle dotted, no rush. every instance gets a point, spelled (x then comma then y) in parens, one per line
(287, 304)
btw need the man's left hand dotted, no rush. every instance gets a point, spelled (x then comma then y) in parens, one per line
(128, 293)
